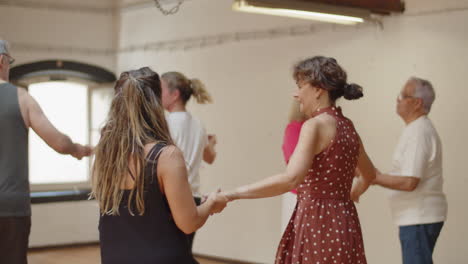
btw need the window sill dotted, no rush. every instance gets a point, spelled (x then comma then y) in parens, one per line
(60, 196)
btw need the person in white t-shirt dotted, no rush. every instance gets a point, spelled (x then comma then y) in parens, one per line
(186, 130)
(417, 200)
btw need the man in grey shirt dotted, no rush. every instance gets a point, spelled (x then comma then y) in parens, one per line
(19, 112)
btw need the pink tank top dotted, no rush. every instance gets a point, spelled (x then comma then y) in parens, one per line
(291, 136)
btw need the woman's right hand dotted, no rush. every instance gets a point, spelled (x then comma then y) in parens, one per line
(355, 194)
(218, 202)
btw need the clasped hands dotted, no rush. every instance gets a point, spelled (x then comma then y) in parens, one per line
(217, 201)
(356, 190)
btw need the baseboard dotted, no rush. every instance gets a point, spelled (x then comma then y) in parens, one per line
(225, 260)
(63, 246)
(96, 244)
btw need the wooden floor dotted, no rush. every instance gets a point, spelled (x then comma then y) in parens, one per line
(78, 255)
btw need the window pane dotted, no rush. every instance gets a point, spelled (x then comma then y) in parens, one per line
(100, 103)
(66, 106)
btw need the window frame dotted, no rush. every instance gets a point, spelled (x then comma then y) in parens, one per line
(94, 77)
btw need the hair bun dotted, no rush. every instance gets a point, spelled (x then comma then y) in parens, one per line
(352, 91)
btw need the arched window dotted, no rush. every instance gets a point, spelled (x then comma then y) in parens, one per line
(75, 97)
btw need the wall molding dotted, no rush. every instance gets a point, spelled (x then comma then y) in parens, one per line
(75, 7)
(31, 47)
(207, 41)
(185, 44)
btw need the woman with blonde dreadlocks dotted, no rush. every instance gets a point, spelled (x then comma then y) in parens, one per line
(140, 180)
(186, 130)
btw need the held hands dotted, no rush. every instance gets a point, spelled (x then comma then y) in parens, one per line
(217, 201)
(355, 190)
(82, 151)
(355, 195)
(378, 175)
(231, 196)
(359, 187)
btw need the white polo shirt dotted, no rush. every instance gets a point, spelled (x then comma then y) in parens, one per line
(189, 135)
(419, 154)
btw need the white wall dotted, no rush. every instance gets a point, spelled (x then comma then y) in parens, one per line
(64, 223)
(58, 29)
(251, 84)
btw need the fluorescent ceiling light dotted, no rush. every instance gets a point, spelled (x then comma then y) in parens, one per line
(303, 10)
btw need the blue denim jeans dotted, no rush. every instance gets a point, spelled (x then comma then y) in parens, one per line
(418, 242)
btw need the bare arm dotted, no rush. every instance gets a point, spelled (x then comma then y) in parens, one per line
(209, 153)
(366, 171)
(359, 187)
(173, 175)
(297, 168)
(413, 163)
(36, 119)
(400, 183)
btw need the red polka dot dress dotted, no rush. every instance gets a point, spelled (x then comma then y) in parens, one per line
(324, 227)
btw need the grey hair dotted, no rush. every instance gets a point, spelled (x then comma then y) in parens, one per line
(425, 91)
(4, 47)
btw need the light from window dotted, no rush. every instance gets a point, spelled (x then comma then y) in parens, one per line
(100, 104)
(66, 106)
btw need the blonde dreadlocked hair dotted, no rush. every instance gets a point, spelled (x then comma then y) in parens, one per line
(136, 118)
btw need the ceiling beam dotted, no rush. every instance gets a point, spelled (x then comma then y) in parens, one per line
(375, 6)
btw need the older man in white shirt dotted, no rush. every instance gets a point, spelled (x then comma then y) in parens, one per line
(417, 200)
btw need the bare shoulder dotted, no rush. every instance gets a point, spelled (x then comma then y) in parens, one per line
(23, 94)
(311, 124)
(323, 129)
(24, 101)
(171, 154)
(326, 121)
(22, 90)
(169, 151)
(171, 164)
(315, 124)
(148, 148)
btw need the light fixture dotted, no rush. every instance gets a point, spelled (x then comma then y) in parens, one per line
(304, 10)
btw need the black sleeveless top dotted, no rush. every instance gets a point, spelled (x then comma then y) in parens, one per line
(152, 238)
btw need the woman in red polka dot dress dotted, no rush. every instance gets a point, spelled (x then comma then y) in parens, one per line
(324, 227)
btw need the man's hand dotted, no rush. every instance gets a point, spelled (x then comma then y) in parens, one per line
(378, 176)
(355, 195)
(82, 151)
